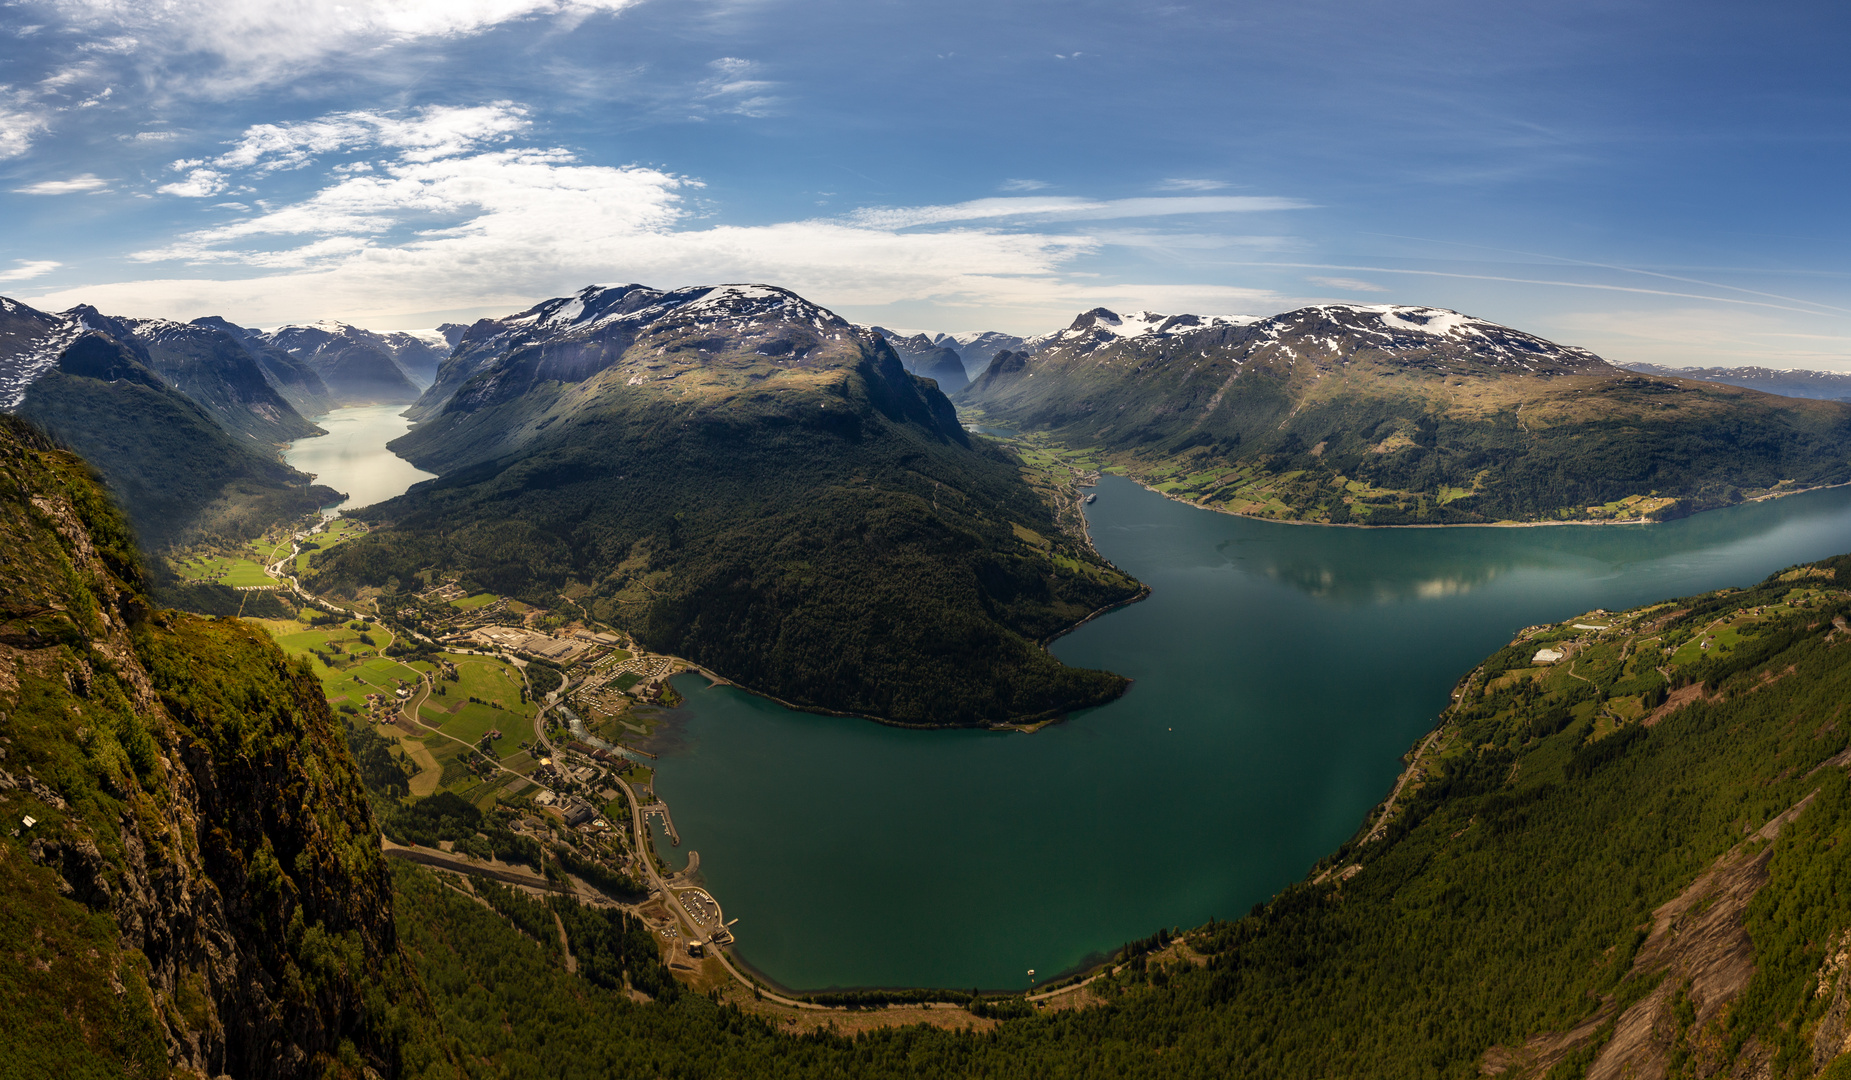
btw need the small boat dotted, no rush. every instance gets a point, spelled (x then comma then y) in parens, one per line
(1092, 498)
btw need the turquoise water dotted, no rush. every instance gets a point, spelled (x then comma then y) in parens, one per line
(352, 457)
(1280, 673)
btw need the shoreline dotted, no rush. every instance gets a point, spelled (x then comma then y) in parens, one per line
(1766, 497)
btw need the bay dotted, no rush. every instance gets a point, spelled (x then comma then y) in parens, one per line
(1280, 673)
(352, 457)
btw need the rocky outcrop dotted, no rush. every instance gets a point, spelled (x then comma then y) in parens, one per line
(190, 876)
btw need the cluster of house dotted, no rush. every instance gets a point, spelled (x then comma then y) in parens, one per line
(382, 706)
(565, 650)
(577, 813)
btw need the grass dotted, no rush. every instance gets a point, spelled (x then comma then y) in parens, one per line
(243, 573)
(488, 681)
(374, 672)
(224, 570)
(333, 533)
(471, 603)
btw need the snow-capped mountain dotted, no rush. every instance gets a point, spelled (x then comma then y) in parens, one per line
(572, 338)
(360, 365)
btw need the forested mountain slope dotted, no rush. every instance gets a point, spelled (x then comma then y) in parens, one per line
(1623, 856)
(744, 479)
(190, 878)
(218, 372)
(1631, 862)
(1395, 415)
(177, 473)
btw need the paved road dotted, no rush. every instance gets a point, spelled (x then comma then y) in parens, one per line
(675, 907)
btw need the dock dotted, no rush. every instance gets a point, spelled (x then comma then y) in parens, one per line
(660, 809)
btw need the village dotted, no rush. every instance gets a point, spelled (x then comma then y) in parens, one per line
(492, 707)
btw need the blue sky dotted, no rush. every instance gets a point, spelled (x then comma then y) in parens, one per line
(1657, 181)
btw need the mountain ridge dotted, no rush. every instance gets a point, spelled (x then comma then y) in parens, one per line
(740, 477)
(179, 471)
(1385, 414)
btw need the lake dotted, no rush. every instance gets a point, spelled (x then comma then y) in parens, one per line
(1280, 673)
(352, 457)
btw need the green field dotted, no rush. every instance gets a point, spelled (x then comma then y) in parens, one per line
(266, 552)
(224, 570)
(357, 669)
(489, 681)
(334, 532)
(471, 603)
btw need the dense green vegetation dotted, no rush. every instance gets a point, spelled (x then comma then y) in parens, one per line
(199, 884)
(1509, 896)
(1327, 416)
(178, 475)
(189, 784)
(840, 546)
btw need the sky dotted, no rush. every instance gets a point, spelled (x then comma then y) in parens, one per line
(1659, 182)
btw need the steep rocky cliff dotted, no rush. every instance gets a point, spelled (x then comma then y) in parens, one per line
(190, 876)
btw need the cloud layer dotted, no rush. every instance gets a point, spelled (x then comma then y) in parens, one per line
(447, 207)
(269, 41)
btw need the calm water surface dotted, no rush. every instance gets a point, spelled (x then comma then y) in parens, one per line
(352, 457)
(1280, 673)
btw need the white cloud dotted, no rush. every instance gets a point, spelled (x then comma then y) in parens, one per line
(1025, 185)
(425, 135)
(199, 184)
(735, 88)
(265, 42)
(450, 217)
(29, 269)
(1069, 208)
(1346, 284)
(20, 120)
(1177, 183)
(75, 185)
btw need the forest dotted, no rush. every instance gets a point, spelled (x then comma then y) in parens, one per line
(1513, 895)
(838, 559)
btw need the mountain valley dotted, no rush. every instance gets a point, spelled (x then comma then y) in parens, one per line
(217, 870)
(739, 477)
(1402, 416)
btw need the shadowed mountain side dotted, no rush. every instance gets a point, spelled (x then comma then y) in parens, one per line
(741, 478)
(295, 381)
(176, 472)
(219, 372)
(1405, 416)
(191, 882)
(935, 360)
(357, 366)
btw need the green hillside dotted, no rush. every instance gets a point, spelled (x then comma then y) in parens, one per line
(1626, 856)
(1631, 862)
(1406, 416)
(783, 504)
(190, 877)
(177, 473)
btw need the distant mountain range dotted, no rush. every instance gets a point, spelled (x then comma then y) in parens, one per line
(1401, 415)
(179, 419)
(741, 477)
(360, 366)
(1824, 385)
(184, 419)
(923, 356)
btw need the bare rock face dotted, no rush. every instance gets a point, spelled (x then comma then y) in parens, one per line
(190, 873)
